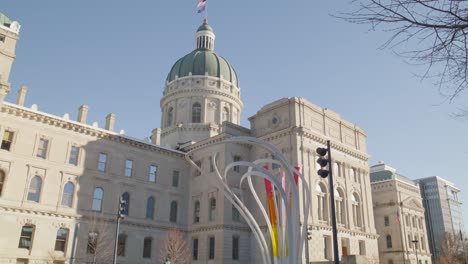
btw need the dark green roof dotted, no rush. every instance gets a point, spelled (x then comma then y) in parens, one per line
(205, 27)
(388, 175)
(4, 20)
(199, 62)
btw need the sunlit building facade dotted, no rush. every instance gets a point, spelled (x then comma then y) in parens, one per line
(61, 178)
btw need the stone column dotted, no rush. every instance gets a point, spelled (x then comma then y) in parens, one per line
(21, 95)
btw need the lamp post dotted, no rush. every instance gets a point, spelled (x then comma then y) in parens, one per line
(415, 242)
(120, 215)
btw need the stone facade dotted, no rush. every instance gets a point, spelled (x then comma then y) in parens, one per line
(61, 180)
(399, 218)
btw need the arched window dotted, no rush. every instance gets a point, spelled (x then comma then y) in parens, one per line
(322, 202)
(212, 213)
(196, 113)
(150, 208)
(97, 199)
(67, 196)
(170, 116)
(34, 192)
(356, 203)
(173, 212)
(225, 114)
(389, 241)
(126, 198)
(340, 207)
(2, 181)
(196, 212)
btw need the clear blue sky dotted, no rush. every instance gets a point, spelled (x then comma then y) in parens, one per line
(114, 55)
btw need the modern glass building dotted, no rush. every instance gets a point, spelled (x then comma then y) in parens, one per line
(443, 211)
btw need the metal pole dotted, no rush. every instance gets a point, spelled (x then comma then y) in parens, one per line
(416, 247)
(75, 237)
(116, 242)
(332, 203)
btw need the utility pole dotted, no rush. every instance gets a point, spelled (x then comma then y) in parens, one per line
(323, 172)
(121, 211)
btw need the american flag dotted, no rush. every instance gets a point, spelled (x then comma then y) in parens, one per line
(201, 3)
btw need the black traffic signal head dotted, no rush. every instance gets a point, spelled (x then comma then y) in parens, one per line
(122, 207)
(322, 162)
(321, 151)
(323, 173)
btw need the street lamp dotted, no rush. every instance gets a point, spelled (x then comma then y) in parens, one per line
(415, 242)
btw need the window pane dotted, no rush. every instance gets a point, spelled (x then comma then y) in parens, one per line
(173, 212)
(150, 208)
(175, 178)
(212, 215)
(25, 237)
(153, 173)
(35, 189)
(74, 155)
(97, 199)
(147, 247)
(128, 168)
(196, 212)
(196, 113)
(92, 243)
(195, 249)
(211, 252)
(235, 248)
(42, 148)
(67, 197)
(7, 139)
(102, 162)
(61, 240)
(121, 245)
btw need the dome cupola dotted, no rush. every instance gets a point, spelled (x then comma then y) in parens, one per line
(205, 36)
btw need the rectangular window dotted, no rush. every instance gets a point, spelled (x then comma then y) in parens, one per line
(410, 242)
(211, 251)
(153, 173)
(121, 245)
(327, 247)
(387, 221)
(22, 261)
(91, 247)
(61, 240)
(235, 214)
(362, 247)
(407, 220)
(235, 248)
(195, 249)
(420, 223)
(2, 38)
(7, 140)
(414, 221)
(26, 237)
(147, 247)
(128, 168)
(237, 168)
(42, 148)
(102, 163)
(74, 152)
(175, 178)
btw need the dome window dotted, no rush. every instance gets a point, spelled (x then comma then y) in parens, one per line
(196, 113)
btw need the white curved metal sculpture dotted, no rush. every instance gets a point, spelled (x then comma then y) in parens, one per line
(285, 231)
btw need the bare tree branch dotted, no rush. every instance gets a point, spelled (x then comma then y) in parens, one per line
(438, 28)
(175, 248)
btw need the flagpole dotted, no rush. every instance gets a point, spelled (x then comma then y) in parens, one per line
(206, 10)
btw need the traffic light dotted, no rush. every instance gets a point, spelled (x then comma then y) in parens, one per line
(322, 161)
(122, 208)
(309, 233)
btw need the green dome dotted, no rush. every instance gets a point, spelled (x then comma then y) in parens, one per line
(200, 61)
(205, 27)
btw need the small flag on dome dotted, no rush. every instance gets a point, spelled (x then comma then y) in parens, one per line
(201, 3)
(201, 6)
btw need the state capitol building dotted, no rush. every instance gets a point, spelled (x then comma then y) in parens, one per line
(61, 177)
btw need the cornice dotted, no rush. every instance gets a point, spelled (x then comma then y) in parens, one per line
(211, 228)
(182, 91)
(84, 129)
